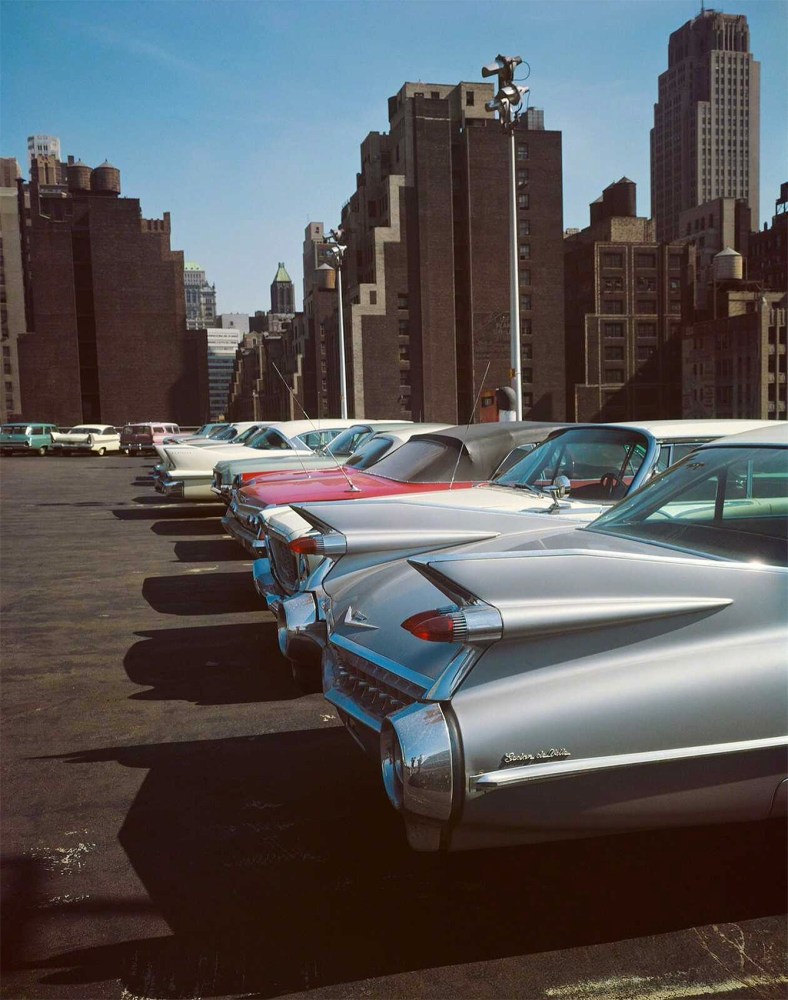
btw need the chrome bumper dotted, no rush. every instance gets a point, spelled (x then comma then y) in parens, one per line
(223, 492)
(300, 629)
(255, 546)
(170, 487)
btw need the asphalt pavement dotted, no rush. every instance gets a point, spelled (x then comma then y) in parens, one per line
(179, 821)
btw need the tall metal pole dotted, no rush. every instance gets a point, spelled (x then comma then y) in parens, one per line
(342, 371)
(514, 291)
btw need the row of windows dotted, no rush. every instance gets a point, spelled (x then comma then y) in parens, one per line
(644, 331)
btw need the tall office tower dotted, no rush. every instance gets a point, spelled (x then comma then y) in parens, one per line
(222, 345)
(426, 274)
(317, 342)
(12, 287)
(105, 305)
(282, 293)
(42, 145)
(200, 298)
(705, 143)
(625, 297)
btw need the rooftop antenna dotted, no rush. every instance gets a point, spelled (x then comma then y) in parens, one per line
(467, 429)
(351, 485)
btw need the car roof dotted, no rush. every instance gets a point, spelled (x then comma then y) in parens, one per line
(774, 435)
(294, 427)
(677, 429)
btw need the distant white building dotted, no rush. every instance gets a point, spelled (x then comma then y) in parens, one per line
(42, 145)
(234, 321)
(200, 298)
(222, 344)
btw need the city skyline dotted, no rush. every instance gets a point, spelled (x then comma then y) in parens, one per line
(245, 120)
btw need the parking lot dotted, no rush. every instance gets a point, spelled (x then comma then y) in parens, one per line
(180, 821)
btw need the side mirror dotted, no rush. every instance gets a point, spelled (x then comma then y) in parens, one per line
(560, 487)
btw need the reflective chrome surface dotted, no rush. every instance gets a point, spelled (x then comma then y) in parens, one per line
(416, 761)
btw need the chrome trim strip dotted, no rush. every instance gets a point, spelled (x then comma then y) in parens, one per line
(350, 708)
(534, 773)
(381, 661)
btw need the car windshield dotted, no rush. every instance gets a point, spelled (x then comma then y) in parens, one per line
(217, 431)
(599, 462)
(420, 462)
(726, 502)
(269, 439)
(245, 437)
(317, 438)
(347, 441)
(370, 452)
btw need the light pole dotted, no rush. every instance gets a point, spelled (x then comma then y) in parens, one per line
(337, 246)
(506, 102)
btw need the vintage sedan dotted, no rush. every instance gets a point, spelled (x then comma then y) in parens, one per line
(243, 518)
(623, 675)
(189, 472)
(86, 439)
(142, 438)
(576, 473)
(26, 438)
(229, 474)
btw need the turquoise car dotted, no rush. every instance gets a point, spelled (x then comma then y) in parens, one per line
(24, 437)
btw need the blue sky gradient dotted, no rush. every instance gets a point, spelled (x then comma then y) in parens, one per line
(244, 119)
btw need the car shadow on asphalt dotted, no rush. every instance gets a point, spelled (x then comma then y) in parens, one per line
(164, 511)
(194, 526)
(223, 550)
(211, 665)
(279, 866)
(202, 592)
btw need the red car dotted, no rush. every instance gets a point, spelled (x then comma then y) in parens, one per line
(457, 456)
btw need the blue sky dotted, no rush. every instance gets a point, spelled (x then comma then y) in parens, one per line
(244, 118)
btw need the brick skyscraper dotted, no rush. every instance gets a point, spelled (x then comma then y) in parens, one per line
(426, 272)
(705, 143)
(106, 306)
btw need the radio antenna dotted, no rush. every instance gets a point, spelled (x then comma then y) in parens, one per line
(339, 465)
(468, 428)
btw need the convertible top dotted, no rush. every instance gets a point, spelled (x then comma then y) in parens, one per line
(482, 447)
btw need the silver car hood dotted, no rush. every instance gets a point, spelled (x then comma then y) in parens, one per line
(231, 467)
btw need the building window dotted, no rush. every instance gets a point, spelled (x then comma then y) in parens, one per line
(647, 331)
(522, 150)
(528, 399)
(524, 201)
(645, 260)
(525, 251)
(612, 260)
(523, 176)
(614, 329)
(646, 284)
(524, 227)
(613, 284)
(404, 352)
(404, 380)
(435, 95)
(674, 261)
(614, 354)
(675, 284)
(373, 298)
(470, 98)
(525, 275)
(525, 327)
(647, 306)
(525, 300)
(528, 375)
(404, 328)
(614, 374)
(527, 352)
(645, 353)
(402, 300)
(613, 307)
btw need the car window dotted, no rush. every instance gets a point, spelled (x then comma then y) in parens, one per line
(370, 452)
(419, 462)
(270, 440)
(513, 458)
(36, 430)
(244, 437)
(599, 462)
(727, 502)
(348, 441)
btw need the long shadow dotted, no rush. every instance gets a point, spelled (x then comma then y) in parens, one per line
(202, 593)
(194, 526)
(211, 665)
(223, 550)
(163, 511)
(279, 865)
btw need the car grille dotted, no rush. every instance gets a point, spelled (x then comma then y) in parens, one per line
(284, 563)
(376, 690)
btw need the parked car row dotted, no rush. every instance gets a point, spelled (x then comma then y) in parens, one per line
(587, 637)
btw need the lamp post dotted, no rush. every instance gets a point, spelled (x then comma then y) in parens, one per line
(337, 246)
(506, 102)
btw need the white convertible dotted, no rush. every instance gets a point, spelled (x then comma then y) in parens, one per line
(85, 438)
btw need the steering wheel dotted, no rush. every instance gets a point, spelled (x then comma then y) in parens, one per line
(611, 483)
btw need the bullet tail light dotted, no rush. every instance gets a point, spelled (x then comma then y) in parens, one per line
(474, 623)
(319, 545)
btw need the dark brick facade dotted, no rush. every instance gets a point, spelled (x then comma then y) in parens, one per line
(427, 288)
(626, 296)
(106, 309)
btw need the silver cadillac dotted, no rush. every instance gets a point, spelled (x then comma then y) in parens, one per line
(570, 682)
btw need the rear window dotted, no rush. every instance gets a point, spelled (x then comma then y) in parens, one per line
(419, 462)
(370, 452)
(725, 502)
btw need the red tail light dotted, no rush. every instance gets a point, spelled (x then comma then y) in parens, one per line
(307, 545)
(476, 623)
